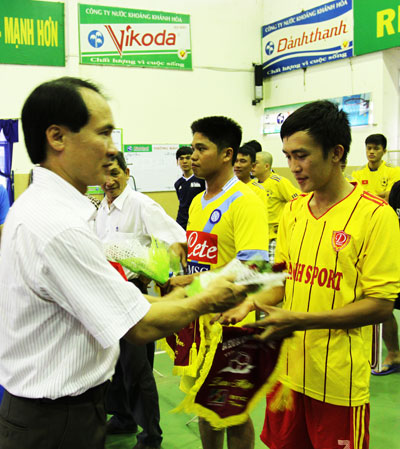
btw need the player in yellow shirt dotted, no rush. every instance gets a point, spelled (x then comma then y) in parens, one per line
(225, 222)
(279, 191)
(243, 167)
(341, 247)
(377, 176)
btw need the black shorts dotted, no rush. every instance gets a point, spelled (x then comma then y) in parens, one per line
(397, 302)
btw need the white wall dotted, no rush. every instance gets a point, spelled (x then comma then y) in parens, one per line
(157, 105)
(377, 73)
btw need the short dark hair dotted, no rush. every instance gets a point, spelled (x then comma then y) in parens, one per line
(248, 150)
(324, 122)
(182, 151)
(56, 102)
(255, 144)
(222, 131)
(120, 158)
(376, 139)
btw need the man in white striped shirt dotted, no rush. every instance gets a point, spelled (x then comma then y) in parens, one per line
(63, 308)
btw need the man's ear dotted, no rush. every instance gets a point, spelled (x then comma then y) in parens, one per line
(337, 153)
(127, 172)
(55, 135)
(228, 154)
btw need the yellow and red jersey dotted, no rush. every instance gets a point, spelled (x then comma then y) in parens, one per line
(377, 181)
(348, 254)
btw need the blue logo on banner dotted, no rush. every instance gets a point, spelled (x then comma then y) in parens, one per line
(215, 216)
(269, 48)
(96, 39)
(280, 118)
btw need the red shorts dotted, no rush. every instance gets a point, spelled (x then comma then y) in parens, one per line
(313, 424)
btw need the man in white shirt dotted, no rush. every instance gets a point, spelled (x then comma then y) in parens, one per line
(132, 397)
(63, 308)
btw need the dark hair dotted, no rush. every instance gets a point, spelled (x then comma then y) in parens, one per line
(182, 151)
(376, 139)
(324, 122)
(56, 102)
(248, 150)
(255, 145)
(222, 131)
(120, 158)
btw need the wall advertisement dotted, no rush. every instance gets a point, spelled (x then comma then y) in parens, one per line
(32, 33)
(315, 36)
(358, 108)
(376, 25)
(132, 37)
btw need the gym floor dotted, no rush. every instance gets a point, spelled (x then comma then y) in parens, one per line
(181, 430)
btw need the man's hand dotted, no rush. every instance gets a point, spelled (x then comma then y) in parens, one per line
(176, 282)
(180, 249)
(221, 294)
(236, 314)
(278, 324)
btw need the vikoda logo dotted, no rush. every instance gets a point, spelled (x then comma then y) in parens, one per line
(128, 38)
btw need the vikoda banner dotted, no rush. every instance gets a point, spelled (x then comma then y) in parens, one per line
(132, 37)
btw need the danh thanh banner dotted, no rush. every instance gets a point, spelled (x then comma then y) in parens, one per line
(32, 33)
(135, 38)
(318, 35)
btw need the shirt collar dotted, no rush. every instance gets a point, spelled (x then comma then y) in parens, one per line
(47, 179)
(230, 183)
(118, 202)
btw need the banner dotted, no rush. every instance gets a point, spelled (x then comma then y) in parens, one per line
(315, 36)
(32, 33)
(358, 108)
(376, 25)
(132, 37)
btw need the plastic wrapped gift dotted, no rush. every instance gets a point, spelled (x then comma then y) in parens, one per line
(155, 262)
(258, 273)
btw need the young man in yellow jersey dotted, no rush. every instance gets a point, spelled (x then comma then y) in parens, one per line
(377, 176)
(279, 191)
(242, 168)
(341, 247)
(225, 222)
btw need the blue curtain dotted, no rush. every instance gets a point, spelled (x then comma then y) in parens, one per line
(10, 131)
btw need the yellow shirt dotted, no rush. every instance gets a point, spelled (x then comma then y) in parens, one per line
(279, 191)
(349, 253)
(259, 190)
(232, 224)
(377, 181)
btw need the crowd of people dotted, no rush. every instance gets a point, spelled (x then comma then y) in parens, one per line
(70, 322)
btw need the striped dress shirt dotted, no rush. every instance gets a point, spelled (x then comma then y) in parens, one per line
(63, 308)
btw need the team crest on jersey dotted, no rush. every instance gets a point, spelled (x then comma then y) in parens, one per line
(364, 181)
(340, 240)
(215, 216)
(384, 182)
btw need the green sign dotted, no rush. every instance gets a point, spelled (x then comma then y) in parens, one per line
(134, 38)
(137, 148)
(376, 25)
(32, 32)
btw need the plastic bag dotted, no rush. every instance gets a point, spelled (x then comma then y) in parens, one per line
(243, 273)
(155, 261)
